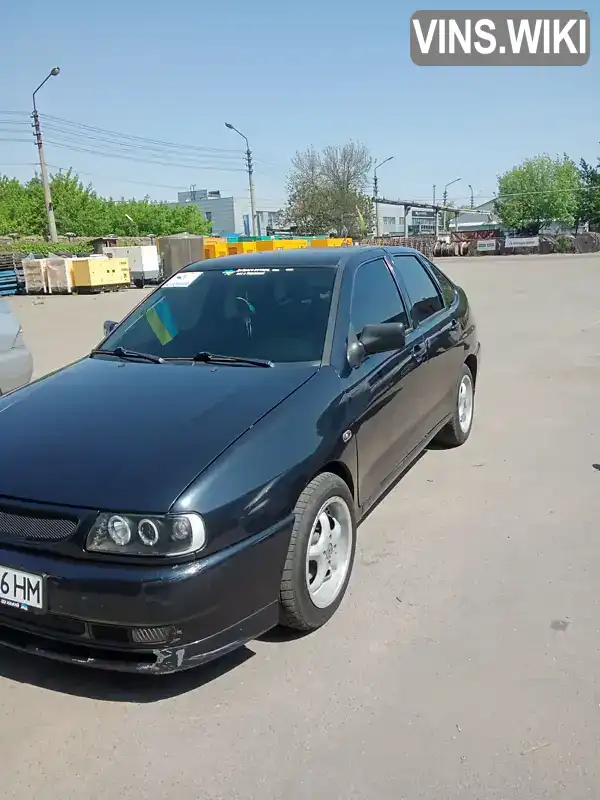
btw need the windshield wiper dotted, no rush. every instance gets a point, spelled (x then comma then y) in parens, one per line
(121, 352)
(215, 358)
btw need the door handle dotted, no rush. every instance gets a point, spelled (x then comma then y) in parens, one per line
(419, 351)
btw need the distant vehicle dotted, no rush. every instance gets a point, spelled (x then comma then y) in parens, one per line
(223, 443)
(16, 363)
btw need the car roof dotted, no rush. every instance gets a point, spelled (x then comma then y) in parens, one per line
(402, 250)
(308, 257)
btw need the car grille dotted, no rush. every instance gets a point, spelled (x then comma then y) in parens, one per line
(30, 528)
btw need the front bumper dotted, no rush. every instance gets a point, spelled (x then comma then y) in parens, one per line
(208, 607)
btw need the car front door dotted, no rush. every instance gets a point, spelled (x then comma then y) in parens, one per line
(384, 392)
(434, 313)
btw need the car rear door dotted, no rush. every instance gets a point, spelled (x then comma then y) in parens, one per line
(384, 393)
(434, 313)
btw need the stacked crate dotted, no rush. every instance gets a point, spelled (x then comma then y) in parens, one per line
(8, 274)
(34, 275)
(47, 275)
(58, 276)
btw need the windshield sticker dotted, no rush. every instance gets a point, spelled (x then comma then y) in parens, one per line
(161, 321)
(182, 279)
(252, 271)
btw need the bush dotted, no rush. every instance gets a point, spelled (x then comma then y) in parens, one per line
(563, 244)
(43, 248)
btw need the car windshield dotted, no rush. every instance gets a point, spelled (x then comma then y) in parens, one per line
(279, 315)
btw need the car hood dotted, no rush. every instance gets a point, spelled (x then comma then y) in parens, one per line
(125, 436)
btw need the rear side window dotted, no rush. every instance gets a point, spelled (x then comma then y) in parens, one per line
(446, 285)
(422, 291)
(375, 297)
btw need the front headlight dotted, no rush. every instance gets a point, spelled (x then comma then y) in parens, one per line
(138, 535)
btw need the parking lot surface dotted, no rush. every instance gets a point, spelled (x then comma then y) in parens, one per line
(464, 661)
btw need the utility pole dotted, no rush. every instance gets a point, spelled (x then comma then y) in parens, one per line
(376, 194)
(445, 200)
(375, 190)
(250, 171)
(43, 171)
(472, 198)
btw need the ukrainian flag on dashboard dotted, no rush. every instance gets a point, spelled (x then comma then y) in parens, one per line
(160, 320)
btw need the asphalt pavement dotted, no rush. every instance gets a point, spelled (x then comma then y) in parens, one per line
(464, 661)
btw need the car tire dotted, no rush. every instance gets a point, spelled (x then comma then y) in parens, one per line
(458, 430)
(313, 583)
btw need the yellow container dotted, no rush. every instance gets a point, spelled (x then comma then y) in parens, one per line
(215, 249)
(99, 273)
(269, 245)
(330, 242)
(281, 244)
(235, 248)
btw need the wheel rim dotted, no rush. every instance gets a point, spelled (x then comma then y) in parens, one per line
(465, 403)
(329, 552)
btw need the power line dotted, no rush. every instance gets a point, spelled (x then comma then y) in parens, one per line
(85, 137)
(131, 137)
(80, 130)
(149, 151)
(189, 165)
(196, 159)
(159, 157)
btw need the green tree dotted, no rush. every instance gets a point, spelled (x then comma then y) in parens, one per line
(538, 192)
(16, 210)
(79, 210)
(325, 191)
(588, 206)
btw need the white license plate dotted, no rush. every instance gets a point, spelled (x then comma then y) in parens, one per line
(21, 590)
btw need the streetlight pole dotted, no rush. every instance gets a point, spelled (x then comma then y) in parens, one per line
(44, 172)
(472, 198)
(376, 194)
(250, 170)
(445, 200)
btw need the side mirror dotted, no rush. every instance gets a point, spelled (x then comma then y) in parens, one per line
(374, 339)
(109, 326)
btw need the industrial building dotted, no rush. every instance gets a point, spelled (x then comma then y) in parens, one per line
(393, 221)
(229, 215)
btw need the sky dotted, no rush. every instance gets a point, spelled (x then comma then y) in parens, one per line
(289, 76)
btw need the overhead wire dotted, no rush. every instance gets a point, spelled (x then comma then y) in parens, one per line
(85, 137)
(104, 134)
(132, 137)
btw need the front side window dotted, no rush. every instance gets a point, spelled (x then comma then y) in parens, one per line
(375, 297)
(423, 293)
(280, 315)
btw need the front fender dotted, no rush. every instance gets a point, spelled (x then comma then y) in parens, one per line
(256, 482)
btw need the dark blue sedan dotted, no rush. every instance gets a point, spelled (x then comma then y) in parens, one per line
(199, 477)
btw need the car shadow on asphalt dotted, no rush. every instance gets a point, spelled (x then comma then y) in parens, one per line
(113, 687)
